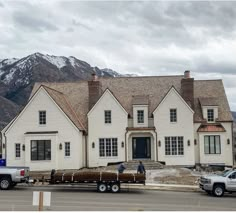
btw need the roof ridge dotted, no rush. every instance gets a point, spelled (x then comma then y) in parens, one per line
(146, 76)
(51, 89)
(209, 80)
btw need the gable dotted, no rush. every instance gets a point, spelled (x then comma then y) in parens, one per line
(41, 100)
(107, 100)
(173, 98)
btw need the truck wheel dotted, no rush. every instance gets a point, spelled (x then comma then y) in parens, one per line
(102, 187)
(115, 187)
(5, 183)
(218, 190)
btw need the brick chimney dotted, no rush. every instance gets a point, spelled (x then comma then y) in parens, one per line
(95, 90)
(187, 89)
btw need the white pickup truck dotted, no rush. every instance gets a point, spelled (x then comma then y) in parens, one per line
(219, 184)
(10, 176)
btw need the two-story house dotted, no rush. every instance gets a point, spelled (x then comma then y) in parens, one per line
(173, 119)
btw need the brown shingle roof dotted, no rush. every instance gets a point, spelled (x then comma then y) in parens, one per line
(140, 100)
(153, 87)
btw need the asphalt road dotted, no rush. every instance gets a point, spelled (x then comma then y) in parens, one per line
(83, 199)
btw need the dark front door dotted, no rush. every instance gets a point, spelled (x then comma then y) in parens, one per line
(141, 147)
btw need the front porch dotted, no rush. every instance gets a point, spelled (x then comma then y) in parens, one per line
(141, 144)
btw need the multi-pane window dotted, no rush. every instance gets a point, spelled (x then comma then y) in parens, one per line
(140, 116)
(17, 150)
(173, 115)
(210, 115)
(67, 149)
(40, 150)
(107, 115)
(108, 147)
(212, 144)
(42, 117)
(174, 145)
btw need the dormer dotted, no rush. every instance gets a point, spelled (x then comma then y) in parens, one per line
(209, 108)
(140, 111)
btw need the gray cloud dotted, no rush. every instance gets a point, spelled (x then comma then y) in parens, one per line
(1, 4)
(144, 37)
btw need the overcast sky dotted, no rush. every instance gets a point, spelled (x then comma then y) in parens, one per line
(145, 38)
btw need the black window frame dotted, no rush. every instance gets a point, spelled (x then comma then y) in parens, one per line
(38, 157)
(17, 150)
(140, 116)
(42, 117)
(107, 116)
(173, 115)
(210, 115)
(67, 149)
(209, 144)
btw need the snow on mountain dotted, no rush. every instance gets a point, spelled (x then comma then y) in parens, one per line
(58, 61)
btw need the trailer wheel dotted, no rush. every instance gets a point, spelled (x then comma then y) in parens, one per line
(115, 187)
(102, 187)
(5, 183)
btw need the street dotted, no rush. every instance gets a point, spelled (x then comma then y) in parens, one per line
(86, 198)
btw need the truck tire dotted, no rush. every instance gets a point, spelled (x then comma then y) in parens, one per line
(115, 187)
(218, 190)
(102, 187)
(5, 183)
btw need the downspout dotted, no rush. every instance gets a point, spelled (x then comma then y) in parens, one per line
(126, 160)
(156, 146)
(232, 139)
(5, 147)
(86, 149)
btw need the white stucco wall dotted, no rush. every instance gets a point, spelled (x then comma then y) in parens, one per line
(98, 129)
(135, 117)
(196, 147)
(56, 121)
(226, 156)
(183, 127)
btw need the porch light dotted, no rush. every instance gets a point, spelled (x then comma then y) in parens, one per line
(159, 143)
(60, 146)
(93, 145)
(228, 141)
(122, 144)
(23, 147)
(188, 142)
(195, 142)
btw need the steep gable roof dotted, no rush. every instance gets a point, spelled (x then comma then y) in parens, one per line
(155, 87)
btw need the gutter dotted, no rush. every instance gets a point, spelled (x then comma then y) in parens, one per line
(156, 146)
(126, 160)
(5, 147)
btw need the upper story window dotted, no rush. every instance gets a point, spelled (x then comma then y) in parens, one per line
(140, 116)
(42, 117)
(173, 115)
(210, 115)
(107, 116)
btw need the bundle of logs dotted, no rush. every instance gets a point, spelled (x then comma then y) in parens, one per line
(60, 177)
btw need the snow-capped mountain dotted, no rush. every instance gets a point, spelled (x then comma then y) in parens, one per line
(18, 75)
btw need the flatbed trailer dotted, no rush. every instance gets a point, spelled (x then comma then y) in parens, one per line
(106, 181)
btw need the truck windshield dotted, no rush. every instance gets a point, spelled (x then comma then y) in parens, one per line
(225, 173)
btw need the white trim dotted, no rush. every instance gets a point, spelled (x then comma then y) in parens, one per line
(176, 92)
(27, 105)
(107, 91)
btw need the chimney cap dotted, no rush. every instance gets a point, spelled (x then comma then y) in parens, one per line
(94, 76)
(187, 74)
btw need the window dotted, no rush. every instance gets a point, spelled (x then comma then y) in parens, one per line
(210, 115)
(108, 147)
(40, 150)
(42, 117)
(67, 149)
(140, 116)
(107, 114)
(17, 150)
(174, 145)
(173, 115)
(212, 144)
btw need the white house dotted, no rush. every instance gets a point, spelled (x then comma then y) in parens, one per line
(173, 119)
